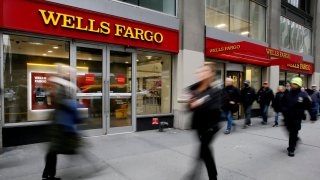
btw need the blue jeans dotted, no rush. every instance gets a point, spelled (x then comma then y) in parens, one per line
(228, 114)
(264, 112)
(247, 110)
(276, 118)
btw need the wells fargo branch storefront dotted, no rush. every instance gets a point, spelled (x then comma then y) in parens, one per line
(245, 60)
(124, 68)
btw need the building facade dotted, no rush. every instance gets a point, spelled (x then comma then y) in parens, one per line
(133, 58)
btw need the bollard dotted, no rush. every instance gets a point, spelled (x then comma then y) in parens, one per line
(163, 125)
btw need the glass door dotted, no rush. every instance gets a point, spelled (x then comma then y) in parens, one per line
(90, 60)
(121, 111)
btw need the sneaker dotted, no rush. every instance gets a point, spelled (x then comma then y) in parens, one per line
(227, 131)
(264, 123)
(275, 125)
(291, 153)
(244, 126)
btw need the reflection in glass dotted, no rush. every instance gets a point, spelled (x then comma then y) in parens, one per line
(257, 21)
(239, 17)
(120, 89)
(217, 14)
(28, 63)
(153, 83)
(89, 81)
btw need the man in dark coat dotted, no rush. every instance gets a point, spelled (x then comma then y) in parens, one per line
(231, 104)
(264, 97)
(248, 95)
(205, 103)
(294, 104)
(276, 104)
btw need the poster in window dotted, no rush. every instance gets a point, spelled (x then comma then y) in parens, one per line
(41, 97)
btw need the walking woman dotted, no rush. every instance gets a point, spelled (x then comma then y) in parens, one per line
(206, 105)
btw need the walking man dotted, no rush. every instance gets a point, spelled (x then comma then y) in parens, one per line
(231, 104)
(276, 104)
(315, 96)
(294, 104)
(264, 97)
(248, 95)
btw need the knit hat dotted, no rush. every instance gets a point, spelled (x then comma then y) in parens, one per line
(246, 82)
(297, 81)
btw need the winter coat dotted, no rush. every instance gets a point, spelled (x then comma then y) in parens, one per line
(248, 95)
(265, 96)
(276, 103)
(232, 99)
(294, 105)
(206, 116)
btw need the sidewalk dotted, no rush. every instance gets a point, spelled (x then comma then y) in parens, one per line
(258, 152)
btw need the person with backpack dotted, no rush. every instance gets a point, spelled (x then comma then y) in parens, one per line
(264, 98)
(248, 95)
(231, 105)
(276, 104)
(294, 103)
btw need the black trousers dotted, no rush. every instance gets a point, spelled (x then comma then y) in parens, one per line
(51, 163)
(206, 154)
(293, 126)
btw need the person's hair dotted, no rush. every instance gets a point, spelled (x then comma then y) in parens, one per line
(211, 66)
(281, 87)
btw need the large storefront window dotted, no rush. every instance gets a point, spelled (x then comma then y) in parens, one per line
(153, 83)
(286, 76)
(243, 17)
(253, 74)
(28, 62)
(165, 6)
(295, 36)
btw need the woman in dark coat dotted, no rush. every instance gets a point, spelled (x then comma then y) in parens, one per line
(206, 105)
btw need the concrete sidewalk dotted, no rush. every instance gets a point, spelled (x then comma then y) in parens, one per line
(258, 152)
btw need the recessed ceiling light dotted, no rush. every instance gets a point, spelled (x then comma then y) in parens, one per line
(89, 58)
(127, 62)
(55, 47)
(148, 57)
(137, 60)
(44, 54)
(35, 43)
(245, 33)
(221, 25)
(50, 51)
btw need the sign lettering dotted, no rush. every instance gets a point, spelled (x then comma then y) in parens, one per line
(226, 48)
(277, 53)
(91, 25)
(305, 67)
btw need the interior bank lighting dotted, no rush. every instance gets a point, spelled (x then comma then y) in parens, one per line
(245, 33)
(53, 65)
(55, 47)
(221, 25)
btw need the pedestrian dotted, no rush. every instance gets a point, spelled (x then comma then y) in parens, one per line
(264, 97)
(64, 135)
(294, 104)
(206, 105)
(315, 97)
(276, 104)
(288, 86)
(248, 95)
(231, 104)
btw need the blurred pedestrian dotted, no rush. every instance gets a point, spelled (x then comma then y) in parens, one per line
(206, 105)
(315, 97)
(64, 135)
(248, 96)
(231, 104)
(288, 86)
(294, 104)
(276, 104)
(264, 97)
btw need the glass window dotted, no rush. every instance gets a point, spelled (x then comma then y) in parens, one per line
(304, 78)
(294, 2)
(165, 6)
(242, 17)
(285, 32)
(239, 17)
(253, 74)
(282, 78)
(153, 83)
(257, 21)
(291, 75)
(295, 36)
(28, 62)
(220, 71)
(217, 14)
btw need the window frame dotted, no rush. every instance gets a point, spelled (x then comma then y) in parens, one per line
(151, 10)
